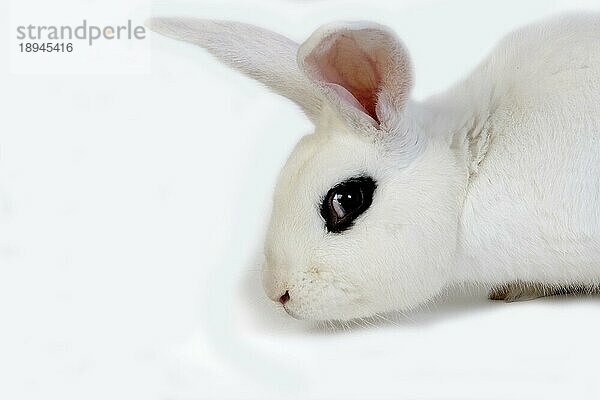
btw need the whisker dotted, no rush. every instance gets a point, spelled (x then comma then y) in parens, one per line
(368, 323)
(387, 320)
(404, 315)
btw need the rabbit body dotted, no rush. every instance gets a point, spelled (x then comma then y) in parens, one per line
(532, 205)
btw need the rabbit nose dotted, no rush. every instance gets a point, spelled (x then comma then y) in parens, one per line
(284, 297)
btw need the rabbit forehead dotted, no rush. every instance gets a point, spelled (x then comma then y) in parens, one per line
(320, 162)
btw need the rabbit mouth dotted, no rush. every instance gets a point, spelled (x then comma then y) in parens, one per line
(291, 313)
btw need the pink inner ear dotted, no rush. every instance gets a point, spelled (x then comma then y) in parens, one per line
(355, 69)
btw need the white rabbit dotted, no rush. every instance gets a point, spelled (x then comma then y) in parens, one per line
(494, 182)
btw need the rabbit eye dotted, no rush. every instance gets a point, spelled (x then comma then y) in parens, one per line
(346, 201)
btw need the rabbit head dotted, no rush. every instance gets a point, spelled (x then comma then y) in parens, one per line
(365, 210)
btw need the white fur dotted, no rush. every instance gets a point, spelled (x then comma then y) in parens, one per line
(493, 181)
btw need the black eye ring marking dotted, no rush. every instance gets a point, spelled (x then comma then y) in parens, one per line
(346, 201)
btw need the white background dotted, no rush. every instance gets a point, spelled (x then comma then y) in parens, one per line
(133, 207)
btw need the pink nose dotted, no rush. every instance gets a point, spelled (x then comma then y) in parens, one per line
(284, 297)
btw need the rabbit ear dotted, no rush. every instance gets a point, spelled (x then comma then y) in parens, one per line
(263, 55)
(363, 70)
